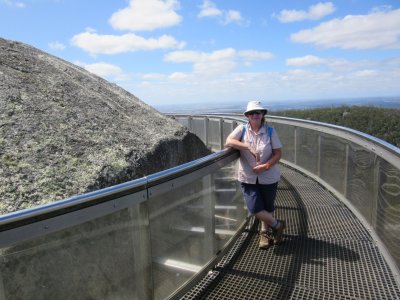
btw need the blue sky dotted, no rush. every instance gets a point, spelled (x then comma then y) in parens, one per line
(220, 51)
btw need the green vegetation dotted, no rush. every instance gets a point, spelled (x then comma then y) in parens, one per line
(383, 123)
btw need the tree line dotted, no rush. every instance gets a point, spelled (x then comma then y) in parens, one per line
(383, 123)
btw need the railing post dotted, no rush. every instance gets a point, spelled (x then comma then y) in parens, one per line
(295, 145)
(206, 121)
(190, 123)
(375, 193)
(221, 133)
(209, 217)
(346, 171)
(142, 253)
(319, 156)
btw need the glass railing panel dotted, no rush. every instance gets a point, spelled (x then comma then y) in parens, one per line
(105, 258)
(286, 134)
(388, 208)
(183, 121)
(214, 134)
(230, 210)
(333, 158)
(191, 218)
(361, 182)
(307, 149)
(227, 128)
(198, 128)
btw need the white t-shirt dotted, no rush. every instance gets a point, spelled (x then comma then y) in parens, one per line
(263, 144)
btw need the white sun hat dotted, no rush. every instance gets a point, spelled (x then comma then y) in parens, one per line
(255, 105)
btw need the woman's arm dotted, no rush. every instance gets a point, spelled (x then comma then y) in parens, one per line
(274, 159)
(236, 144)
(276, 156)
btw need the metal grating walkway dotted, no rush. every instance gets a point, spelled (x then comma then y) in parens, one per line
(326, 254)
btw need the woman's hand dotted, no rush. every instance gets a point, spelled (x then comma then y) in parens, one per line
(261, 168)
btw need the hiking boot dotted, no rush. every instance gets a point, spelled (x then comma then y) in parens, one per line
(265, 240)
(278, 231)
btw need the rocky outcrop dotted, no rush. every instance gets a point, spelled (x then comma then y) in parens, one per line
(65, 131)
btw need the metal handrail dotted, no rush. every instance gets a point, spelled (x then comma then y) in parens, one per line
(239, 117)
(30, 215)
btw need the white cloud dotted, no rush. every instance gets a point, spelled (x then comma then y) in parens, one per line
(393, 61)
(183, 56)
(113, 44)
(379, 29)
(320, 10)
(255, 55)
(365, 73)
(105, 70)
(146, 15)
(56, 46)
(217, 62)
(270, 86)
(214, 67)
(304, 61)
(315, 12)
(209, 9)
(233, 16)
(179, 76)
(216, 77)
(13, 3)
(338, 65)
(228, 53)
(193, 56)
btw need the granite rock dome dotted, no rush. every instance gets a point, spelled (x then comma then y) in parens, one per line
(65, 131)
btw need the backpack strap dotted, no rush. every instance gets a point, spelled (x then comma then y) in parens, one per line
(270, 129)
(244, 128)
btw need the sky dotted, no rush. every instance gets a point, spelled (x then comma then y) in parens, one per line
(220, 51)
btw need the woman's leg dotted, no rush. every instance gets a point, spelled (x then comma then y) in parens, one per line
(266, 219)
(268, 192)
(254, 197)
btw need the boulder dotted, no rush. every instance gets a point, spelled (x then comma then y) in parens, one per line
(65, 131)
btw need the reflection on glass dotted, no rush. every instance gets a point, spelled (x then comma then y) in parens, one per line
(388, 214)
(190, 224)
(101, 259)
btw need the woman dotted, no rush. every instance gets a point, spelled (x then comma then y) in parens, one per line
(260, 151)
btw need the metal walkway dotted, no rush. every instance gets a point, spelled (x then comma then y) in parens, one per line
(326, 254)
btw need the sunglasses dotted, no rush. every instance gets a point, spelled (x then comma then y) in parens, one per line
(256, 112)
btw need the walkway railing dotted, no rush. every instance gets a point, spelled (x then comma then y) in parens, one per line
(146, 238)
(362, 171)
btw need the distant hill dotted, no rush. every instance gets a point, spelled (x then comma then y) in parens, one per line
(376, 116)
(239, 106)
(383, 123)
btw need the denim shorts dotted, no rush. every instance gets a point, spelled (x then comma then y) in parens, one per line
(259, 197)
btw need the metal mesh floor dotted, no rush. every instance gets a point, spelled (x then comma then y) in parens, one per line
(326, 254)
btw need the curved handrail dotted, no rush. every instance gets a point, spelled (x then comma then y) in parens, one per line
(26, 216)
(361, 170)
(366, 136)
(240, 118)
